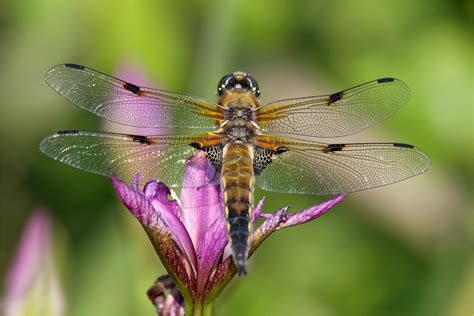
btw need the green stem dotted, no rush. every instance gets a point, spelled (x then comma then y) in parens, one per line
(198, 309)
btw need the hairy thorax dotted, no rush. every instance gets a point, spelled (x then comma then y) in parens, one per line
(239, 120)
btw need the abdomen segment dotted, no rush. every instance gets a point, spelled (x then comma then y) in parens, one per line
(237, 186)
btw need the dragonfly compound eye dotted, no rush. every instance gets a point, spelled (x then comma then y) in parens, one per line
(237, 81)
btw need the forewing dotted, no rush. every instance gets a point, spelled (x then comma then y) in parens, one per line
(125, 103)
(317, 168)
(338, 114)
(153, 157)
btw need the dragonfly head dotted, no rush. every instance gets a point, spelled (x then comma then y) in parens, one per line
(238, 81)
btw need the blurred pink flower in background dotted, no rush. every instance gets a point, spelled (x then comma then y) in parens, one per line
(32, 283)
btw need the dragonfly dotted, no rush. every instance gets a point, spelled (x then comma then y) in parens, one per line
(272, 146)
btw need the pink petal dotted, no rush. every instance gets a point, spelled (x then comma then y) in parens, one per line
(269, 226)
(312, 212)
(281, 219)
(209, 251)
(201, 197)
(257, 211)
(156, 213)
(159, 191)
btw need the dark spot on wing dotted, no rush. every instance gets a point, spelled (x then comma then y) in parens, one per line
(140, 139)
(69, 131)
(131, 87)
(74, 66)
(333, 147)
(383, 80)
(335, 97)
(281, 150)
(403, 145)
(196, 145)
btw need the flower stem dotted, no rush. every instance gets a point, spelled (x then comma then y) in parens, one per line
(198, 309)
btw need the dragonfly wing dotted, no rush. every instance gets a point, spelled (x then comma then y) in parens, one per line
(153, 157)
(338, 114)
(125, 103)
(317, 168)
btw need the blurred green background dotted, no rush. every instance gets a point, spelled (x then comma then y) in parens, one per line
(404, 249)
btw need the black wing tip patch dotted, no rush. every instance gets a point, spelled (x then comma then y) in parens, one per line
(385, 80)
(74, 66)
(401, 145)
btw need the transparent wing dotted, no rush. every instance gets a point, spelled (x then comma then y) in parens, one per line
(154, 157)
(317, 168)
(338, 114)
(128, 104)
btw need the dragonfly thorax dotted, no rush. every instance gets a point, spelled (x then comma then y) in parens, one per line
(239, 121)
(244, 113)
(240, 132)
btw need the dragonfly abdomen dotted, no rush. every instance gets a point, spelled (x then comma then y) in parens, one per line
(237, 186)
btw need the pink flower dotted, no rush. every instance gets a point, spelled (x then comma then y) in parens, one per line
(190, 236)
